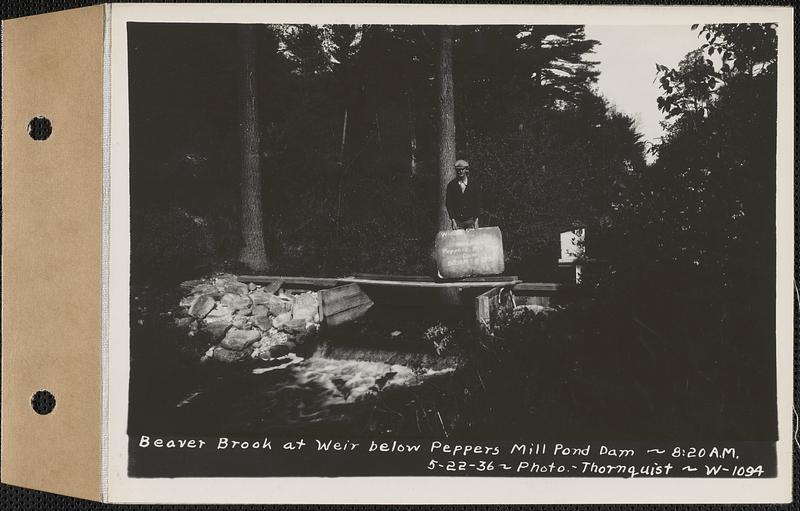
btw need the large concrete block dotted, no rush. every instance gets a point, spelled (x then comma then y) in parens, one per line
(470, 252)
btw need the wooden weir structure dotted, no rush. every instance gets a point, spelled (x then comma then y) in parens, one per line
(345, 299)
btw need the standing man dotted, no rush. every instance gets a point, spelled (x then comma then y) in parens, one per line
(463, 199)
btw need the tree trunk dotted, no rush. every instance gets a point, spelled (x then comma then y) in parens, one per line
(447, 126)
(447, 139)
(253, 254)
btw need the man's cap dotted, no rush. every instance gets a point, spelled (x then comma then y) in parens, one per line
(462, 164)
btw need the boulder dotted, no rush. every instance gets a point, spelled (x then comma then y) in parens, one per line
(281, 319)
(279, 350)
(201, 306)
(240, 321)
(260, 309)
(294, 326)
(273, 287)
(216, 331)
(225, 355)
(223, 279)
(241, 303)
(262, 322)
(220, 314)
(237, 288)
(305, 306)
(278, 306)
(228, 299)
(187, 285)
(204, 289)
(251, 286)
(259, 297)
(238, 340)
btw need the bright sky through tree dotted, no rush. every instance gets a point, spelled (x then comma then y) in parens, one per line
(628, 57)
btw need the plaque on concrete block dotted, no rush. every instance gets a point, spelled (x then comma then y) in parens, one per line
(470, 252)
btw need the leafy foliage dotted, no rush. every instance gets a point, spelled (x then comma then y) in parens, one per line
(692, 245)
(712, 187)
(689, 88)
(746, 49)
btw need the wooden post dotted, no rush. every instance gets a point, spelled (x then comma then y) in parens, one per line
(487, 305)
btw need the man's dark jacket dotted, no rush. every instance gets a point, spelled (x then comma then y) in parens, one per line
(461, 206)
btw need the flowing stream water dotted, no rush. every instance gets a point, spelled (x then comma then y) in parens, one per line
(365, 378)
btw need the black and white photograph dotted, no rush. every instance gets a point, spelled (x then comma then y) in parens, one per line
(467, 250)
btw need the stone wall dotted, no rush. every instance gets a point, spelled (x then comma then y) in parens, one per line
(245, 320)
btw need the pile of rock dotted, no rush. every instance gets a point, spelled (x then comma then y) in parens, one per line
(247, 320)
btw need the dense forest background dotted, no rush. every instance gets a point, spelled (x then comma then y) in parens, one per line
(348, 144)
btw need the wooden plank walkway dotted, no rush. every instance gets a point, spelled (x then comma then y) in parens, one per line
(431, 283)
(384, 280)
(301, 281)
(425, 278)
